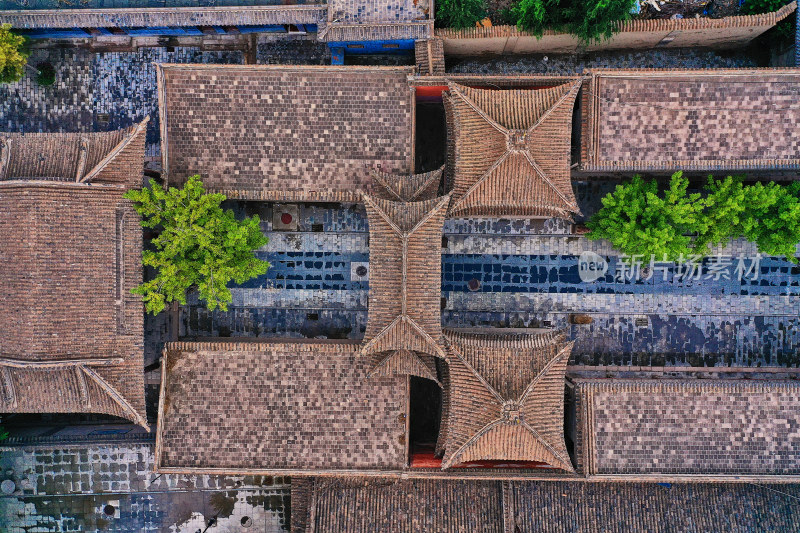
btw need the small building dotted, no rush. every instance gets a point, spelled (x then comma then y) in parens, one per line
(285, 133)
(71, 332)
(694, 120)
(508, 151)
(342, 505)
(678, 429)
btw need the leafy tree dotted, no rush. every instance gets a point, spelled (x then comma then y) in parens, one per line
(725, 204)
(460, 13)
(595, 20)
(536, 16)
(589, 20)
(13, 55)
(200, 245)
(771, 218)
(640, 221)
(785, 28)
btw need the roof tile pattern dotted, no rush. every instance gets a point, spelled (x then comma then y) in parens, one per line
(446, 506)
(76, 157)
(553, 507)
(702, 120)
(506, 397)
(509, 151)
(285, 133)
(404, 362)
(690, 427)
(296, 406)
(71, 333)
(406, 275)
(407, 188)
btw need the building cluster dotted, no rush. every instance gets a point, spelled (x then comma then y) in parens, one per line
(333, 414)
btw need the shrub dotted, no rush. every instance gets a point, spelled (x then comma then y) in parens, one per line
(595, 20)
(460, 13)
(13, 55)
(199, 245)
(589, 20)
(640, 221)
(46, 74)
(785, 28)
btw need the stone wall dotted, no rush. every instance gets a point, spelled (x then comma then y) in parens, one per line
(729, 32)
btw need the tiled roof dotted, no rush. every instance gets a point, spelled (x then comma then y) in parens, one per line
(445, 506)
(357, 20)
(694, 427)
(277, 407)
(700, 120)
(152, 17)
(404, 362)
(72, 157)
(508, 151)
(407, 188)
(71, 333)
(429, 56)
(287, 133)
(406, 275)
(506, 397)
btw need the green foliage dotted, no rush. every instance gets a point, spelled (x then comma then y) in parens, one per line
(460, 13)
(3, 433)
(589, 20)
(45, 74)
(13, 55)
(640, 221)
(200, 245)
(785, 28)
(725, 204)
(771, 218)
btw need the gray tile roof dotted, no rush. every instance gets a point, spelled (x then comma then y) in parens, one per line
(695, 427)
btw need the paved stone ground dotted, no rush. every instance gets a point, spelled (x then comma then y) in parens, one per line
(528, 274)
(571, 64)
(95, 91)
(67, 488)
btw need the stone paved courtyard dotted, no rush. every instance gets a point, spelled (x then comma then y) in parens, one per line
(69, 488)
(524, 274)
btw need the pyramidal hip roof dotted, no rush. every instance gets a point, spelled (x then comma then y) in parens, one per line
(509, 151)
(405, 284)
(506, 397)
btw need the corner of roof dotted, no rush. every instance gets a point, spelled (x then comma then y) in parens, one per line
(133, 133)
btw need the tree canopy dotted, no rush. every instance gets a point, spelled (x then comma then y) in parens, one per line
(199, 245)
(673, 224)
(13, 55)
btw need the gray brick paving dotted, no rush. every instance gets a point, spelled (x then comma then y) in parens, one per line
(66, 488)
(121, 85)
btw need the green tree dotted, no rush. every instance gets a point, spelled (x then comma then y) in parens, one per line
(13, 55)
(771, 218)
(536, 16)
(638, 220)
(199, 245)
(725, 205)
(589, 20)
(595, 20)
(460, 13)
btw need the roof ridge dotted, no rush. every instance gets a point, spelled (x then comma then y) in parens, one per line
(112, 392)
(134, 132)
